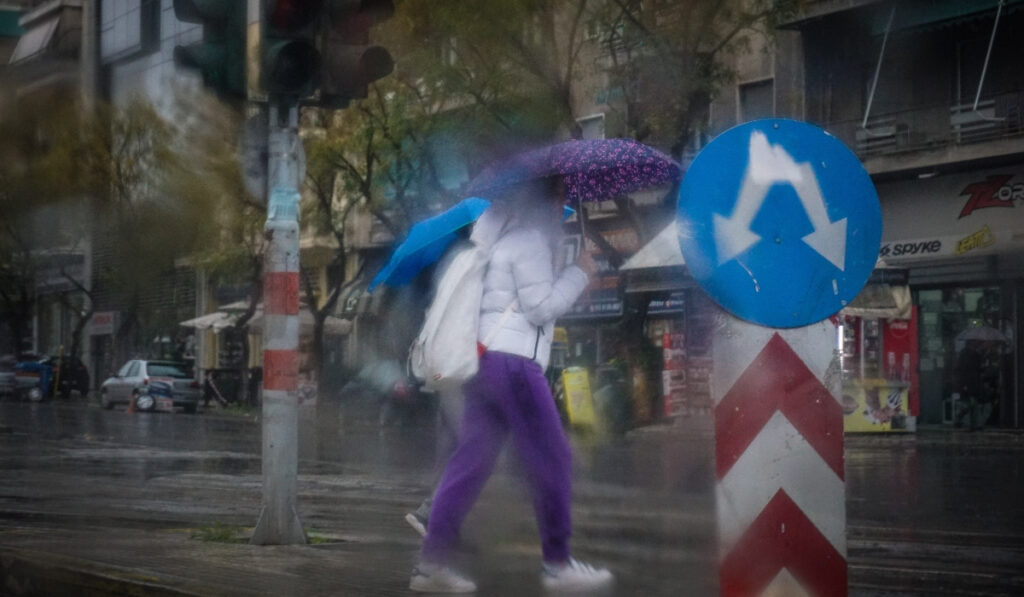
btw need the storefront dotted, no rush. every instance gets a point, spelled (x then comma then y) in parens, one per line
(961, 238)
(878, 356)
(677, 320)
(875, 340)
(598, 333)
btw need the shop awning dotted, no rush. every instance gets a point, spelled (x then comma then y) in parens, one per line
(35, 40)
(333, 326)
(216, 321)
(881, 301)
(229, 314)
(661, 251)
(936, 13)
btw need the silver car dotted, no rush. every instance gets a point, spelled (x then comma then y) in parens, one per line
(132, 384)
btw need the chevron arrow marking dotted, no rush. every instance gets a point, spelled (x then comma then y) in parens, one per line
(780, 459)
(778, 380)
(783, 539)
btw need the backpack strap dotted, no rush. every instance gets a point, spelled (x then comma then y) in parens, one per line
(482, 346)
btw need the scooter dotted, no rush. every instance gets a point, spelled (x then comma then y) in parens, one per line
(385, 389)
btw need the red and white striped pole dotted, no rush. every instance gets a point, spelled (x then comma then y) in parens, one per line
(279, 520)
(781, 505)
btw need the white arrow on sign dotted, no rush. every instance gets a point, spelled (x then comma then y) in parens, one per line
(770, 165)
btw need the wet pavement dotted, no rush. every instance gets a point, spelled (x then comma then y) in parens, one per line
(120, 497)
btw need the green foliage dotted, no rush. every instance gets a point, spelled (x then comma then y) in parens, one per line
(318, 539)
(525, 64)
(44, 198)
(380, 155)
(218, 532)
(228, 220)
(669, 59)
(513, 62)
(241, 410)
(146, 190)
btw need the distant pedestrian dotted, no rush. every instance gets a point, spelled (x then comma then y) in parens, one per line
(972, 379)
(510, 396)
(255, 383)
(207, 388)
(450, 408)
(450, 400)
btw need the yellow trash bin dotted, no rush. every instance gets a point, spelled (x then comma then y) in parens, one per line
(579, 402)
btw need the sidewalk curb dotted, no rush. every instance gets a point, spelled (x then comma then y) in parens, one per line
(26, 572)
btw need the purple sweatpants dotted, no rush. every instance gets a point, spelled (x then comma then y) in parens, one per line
(508, 395)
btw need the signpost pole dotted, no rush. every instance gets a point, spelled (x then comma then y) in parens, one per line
(279, 520)
(781, 226)
(780, 493)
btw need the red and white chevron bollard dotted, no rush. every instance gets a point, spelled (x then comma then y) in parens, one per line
(781, 491)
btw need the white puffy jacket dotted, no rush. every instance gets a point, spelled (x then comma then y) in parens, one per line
(522, 266)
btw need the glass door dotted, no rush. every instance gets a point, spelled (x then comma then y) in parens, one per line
(952, 320)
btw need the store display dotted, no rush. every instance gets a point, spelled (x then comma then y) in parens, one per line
(878, 361)
(674, 370)
(874, 405)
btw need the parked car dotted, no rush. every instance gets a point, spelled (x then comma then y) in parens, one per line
(35, 375)
(140, 378)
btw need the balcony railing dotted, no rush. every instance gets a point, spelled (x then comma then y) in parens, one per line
(935, 126)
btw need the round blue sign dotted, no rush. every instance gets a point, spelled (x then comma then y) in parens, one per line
(779, 222)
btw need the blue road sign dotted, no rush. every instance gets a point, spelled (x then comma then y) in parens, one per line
(779, 222)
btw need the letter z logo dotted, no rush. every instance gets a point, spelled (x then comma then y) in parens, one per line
(983, 194)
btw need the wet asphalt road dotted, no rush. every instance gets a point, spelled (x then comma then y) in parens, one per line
(932, 514)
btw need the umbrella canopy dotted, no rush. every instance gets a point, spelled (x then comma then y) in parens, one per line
(428, 240)
(982, 333)
(593, 169)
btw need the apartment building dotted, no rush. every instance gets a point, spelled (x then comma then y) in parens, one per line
(41, 62)
(930, 96)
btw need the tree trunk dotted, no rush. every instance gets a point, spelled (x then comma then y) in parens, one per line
(317, 347)
(76, 334)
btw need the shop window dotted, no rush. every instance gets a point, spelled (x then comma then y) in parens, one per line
(592, 126)
(757, 100)
(128, 28)
(949, 316)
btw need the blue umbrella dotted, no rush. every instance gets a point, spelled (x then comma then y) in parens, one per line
(428, 240)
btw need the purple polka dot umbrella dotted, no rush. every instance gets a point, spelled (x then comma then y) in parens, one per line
(593, 169)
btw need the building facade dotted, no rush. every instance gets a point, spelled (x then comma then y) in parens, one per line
(930, 96)
(43, 56)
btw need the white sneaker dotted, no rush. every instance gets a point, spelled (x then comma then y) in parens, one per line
(420, 525)
(431, 578)
(574, 577)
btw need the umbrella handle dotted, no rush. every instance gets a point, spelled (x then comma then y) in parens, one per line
(583, 229)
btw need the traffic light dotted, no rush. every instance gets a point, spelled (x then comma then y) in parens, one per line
(291, 62)
(220, 57)
(350, 62)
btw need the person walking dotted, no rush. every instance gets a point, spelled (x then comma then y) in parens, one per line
(450, 406)
(510, 396)
(971, 379)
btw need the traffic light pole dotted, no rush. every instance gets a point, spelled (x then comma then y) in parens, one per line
(279, 519)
